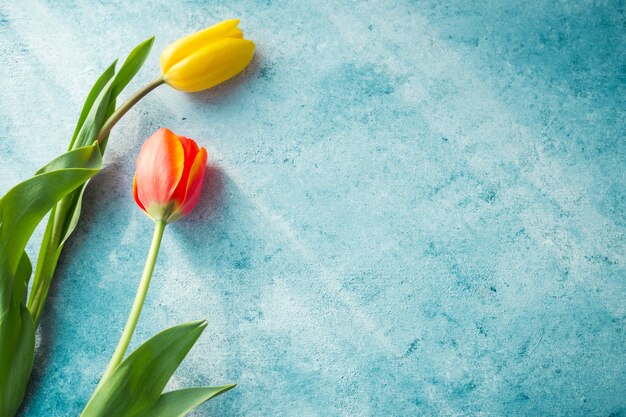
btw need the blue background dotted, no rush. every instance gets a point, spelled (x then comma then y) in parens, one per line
(412, 208)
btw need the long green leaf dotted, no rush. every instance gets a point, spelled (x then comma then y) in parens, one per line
(138, 381)
(91, 98)
(182, 402)
(135, 60)
(22, 276)
(17, 336)
(131, 66)
(17, 351)
(95, 118)
(21, 209)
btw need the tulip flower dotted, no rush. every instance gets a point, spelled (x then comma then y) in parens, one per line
(196, 62)
(169, 176)
(167, 186)
(204, 59)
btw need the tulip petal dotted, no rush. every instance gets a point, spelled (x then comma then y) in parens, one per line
(136, 195)
(194, 183)
(159, 168)
(211, 65)
(190, 148)
(183, 47)
(235, 33)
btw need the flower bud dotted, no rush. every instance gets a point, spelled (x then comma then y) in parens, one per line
(169, 176)
(204, 59)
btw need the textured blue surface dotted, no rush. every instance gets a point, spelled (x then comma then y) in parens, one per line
(413, 208)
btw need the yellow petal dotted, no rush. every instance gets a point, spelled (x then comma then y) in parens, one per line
(235, 33)
(183, 47)
(211, 65)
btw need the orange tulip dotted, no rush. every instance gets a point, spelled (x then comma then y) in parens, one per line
(169, 176)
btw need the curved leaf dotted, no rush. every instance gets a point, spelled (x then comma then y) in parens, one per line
(182, 402)
(95, 118)
(22, 276)
(23, 207)
(91, 98)
(131, 66)
(138, 381)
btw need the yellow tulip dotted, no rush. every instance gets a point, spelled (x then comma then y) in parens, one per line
(204, 59)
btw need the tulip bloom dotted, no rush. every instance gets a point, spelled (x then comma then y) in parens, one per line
(204, 59)
(169, 176)
(167, 186)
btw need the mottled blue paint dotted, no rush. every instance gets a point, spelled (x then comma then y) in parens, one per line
(413, 208)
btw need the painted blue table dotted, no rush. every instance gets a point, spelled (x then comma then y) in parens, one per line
(412, 208)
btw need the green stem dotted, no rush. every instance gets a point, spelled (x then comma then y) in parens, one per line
(128, 104)
(131, 324)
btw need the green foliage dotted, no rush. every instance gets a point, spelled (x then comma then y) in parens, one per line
(21, 209)
(64, 217)
(95, 91)
(131, 66)
(56, 188)
(180, 403)
(134, 387)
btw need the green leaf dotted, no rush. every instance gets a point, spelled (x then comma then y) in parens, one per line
(21, 209)
(95, 118)
(17, 351)
(180, 403)
(91, 98)
(59, 228)
(17, 344)
(22, 276)
(131, 66)
(46, 262)
(127, 72)
(87, 157)
(136, 384)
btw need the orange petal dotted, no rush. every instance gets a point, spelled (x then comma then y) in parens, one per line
(194, 183)
(159, 168)
(191, 150)
(135, 194)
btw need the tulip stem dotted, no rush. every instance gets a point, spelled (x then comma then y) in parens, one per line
(128, 104)
(140, 297)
